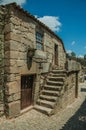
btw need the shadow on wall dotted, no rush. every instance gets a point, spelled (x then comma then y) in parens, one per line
(78, 120)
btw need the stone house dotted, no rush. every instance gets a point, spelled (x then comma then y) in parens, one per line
(32, 65)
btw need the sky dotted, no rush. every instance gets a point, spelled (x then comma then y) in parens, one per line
(67, 18)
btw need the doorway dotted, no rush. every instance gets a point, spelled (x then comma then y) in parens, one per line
(56, 54)
(26, 90)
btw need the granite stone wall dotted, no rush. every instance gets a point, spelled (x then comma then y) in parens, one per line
(18, 36)
(70, 89)
(1, 61)
(70, 92)
(49, 46)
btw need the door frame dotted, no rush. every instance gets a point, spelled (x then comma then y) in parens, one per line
(34, 75)
(56, 54)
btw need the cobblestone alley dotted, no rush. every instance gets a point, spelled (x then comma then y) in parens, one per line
(72, 118)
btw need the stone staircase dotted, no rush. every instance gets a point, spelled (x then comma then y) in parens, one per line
(51, 92)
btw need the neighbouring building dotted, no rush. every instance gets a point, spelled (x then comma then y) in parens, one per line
(33, 68)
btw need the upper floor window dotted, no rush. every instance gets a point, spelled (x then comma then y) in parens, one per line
(39, 41)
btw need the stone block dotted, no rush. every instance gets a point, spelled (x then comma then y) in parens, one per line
(48, 44)
(36, 90)
(11, 77)
(10, 62)
(7, 54)
(16, 96)
(15, 20)
(23, 29)
(50, 56)
(24, 69)
(12, 70)
(49, 60)
(1, 108)
(1, 95)
(13, 109)
(38, 77)
(25, 24)
(22, 55)
(49, 50)
(14, 46)
(14, 55)
(1, 11)
(30, 36)
(40, 54)
(12, 97)
(8, 28)
(55, 41)
(13, 36)
(13, 87)
(46, 67)
(1, 37)
(21, 63)
(27, 42)
(28, 24)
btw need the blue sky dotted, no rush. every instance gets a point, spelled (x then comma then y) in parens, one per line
(67, 18)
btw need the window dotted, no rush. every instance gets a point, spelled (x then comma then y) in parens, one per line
(39, 41)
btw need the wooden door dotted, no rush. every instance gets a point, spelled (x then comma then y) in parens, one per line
(26, 90)
(56, 54)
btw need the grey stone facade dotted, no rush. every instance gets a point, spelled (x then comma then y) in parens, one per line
(1, 60)
(17, 35)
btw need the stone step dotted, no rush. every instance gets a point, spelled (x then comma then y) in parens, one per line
(44, 110)
(59, 83)
(51, 87)
(46, 103)
(58, 71)
(57, 75)
(55, 78)
(52, 93)
(48, 98)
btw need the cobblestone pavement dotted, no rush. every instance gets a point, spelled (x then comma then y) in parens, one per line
(64, 120)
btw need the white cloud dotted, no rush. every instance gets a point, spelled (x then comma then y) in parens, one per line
(36, 16)
(73, 42)
(52, 22)
(19, 2)
(81, 56)
(69, 51)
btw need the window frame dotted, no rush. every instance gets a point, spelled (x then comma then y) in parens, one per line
(39, 40)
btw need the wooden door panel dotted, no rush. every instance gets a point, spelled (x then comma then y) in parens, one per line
(26, 90)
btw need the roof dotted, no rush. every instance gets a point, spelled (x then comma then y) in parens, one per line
(36, 20)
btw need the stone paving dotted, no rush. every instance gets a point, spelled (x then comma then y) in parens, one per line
(34, 120)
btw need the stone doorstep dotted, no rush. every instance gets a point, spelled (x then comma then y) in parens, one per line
(26, 110)
(43, 109)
